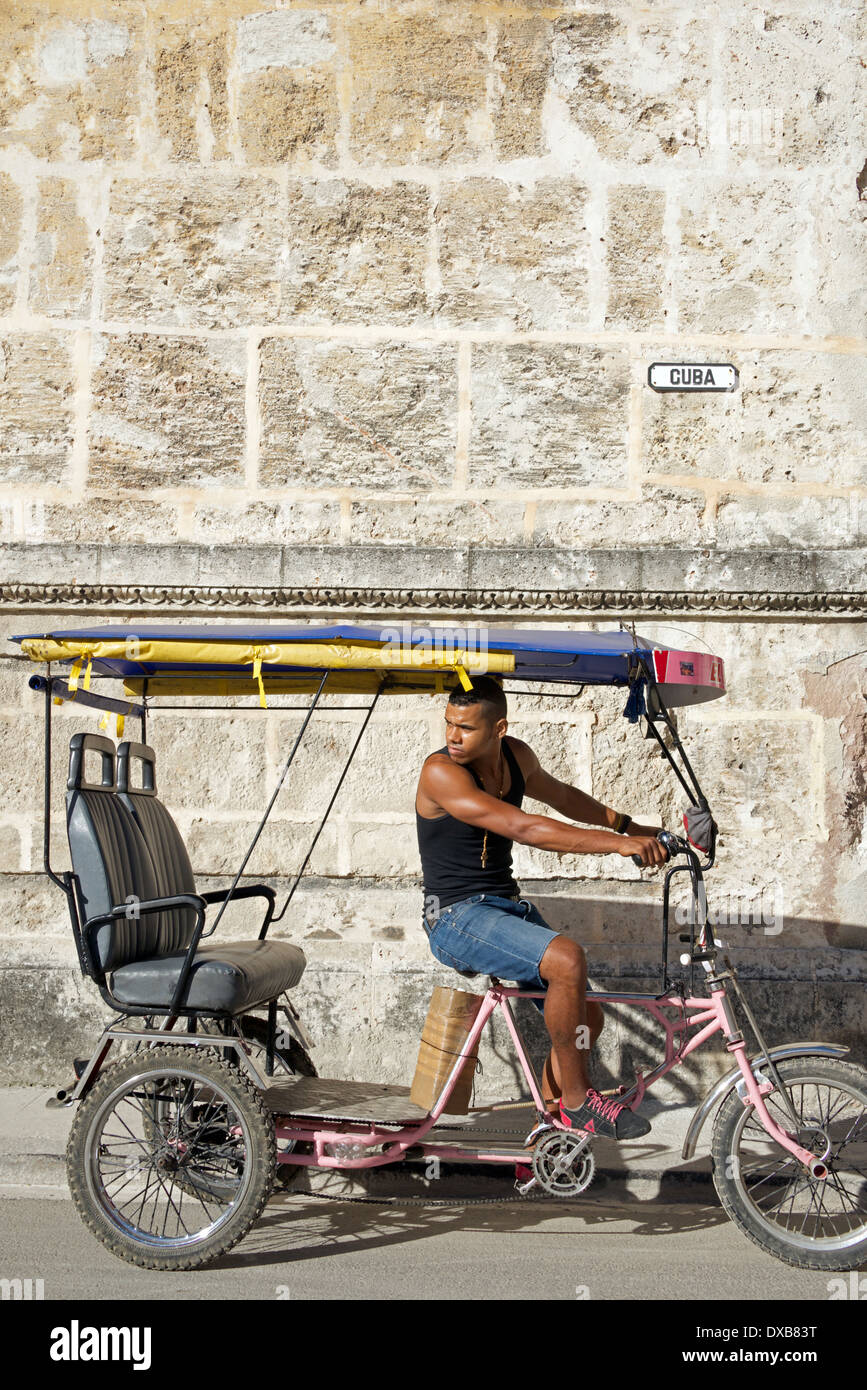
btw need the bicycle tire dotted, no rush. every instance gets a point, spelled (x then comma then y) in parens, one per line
(138, 1152)
(746, 1159)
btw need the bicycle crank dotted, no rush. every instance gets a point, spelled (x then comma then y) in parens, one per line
(563, 1164)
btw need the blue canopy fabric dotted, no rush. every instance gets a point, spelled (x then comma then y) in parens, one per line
(558, 655)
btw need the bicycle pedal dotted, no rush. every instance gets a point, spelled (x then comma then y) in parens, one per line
(524, 1187)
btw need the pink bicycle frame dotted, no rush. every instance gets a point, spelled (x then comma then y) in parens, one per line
(711, 1015)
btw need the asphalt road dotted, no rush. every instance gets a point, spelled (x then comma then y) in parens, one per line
(304, 1248)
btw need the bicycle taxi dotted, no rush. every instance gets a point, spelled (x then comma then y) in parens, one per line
(194, 1096)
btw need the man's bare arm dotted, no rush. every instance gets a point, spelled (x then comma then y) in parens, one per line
(571, 801)
(453, 789)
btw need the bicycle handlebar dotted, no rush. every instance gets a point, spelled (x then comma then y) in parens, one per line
(670, 843)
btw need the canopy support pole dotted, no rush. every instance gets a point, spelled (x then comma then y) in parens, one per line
(297, 879)
(46, 818)
(695, 791)
(666, 753)
(280, 780)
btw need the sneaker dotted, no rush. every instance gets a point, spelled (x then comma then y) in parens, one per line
(607, 1118)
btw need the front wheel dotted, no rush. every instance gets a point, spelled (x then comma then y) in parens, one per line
(814, 1223)
(171, 1158)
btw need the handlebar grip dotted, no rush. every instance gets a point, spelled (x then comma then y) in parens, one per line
(666, 839)
(636, 858)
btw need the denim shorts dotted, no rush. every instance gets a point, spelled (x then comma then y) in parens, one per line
(492, 936)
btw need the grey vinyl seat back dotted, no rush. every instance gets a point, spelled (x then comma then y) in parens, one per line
(113, 864)
(171, 862)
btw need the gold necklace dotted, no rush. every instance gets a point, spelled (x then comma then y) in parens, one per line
(499, 797)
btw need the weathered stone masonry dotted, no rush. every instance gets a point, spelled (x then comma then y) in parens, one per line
(346, 309)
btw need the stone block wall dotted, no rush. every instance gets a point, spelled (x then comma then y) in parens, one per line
(346, 309)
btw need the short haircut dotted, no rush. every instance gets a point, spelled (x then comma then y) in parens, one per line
(485, 692)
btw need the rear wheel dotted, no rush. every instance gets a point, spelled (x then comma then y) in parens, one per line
(815, 1223)
(171, 1158)
(291, 1058)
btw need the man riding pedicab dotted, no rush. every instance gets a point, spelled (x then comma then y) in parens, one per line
(468, 814)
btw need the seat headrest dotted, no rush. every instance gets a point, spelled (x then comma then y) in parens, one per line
(148, 758)
(77, 780)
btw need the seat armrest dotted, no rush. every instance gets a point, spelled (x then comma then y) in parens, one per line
(250, 890)
(140, 908)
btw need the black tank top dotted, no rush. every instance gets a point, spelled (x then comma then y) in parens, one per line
(451, 850)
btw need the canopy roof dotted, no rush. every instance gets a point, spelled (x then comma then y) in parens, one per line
(241, 658)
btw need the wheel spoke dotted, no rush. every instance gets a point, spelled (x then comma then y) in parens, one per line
(179, 1172)
(776, 1194)
(857, 1124)
(778, 1199)
(809, 1207)
(841, 1187)
(767, 1178)
(840, 1104)
(823, 1190)
(849, 1167)
(149, 1177)
(170, 1203)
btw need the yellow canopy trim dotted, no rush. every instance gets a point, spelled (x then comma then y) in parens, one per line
(339, 683)
(353, 656)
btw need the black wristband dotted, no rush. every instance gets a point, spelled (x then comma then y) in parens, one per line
(623, 824)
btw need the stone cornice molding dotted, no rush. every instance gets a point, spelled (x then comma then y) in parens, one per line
(559, 602)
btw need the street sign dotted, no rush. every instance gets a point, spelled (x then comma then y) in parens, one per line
(692, 376)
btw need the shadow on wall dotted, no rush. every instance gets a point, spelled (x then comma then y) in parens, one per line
(802, 992)
(369, 1024)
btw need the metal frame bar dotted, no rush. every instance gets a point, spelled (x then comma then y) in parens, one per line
(369, 708)
(119, 1031)
(142, 909)
(709, 1016)
(695, 791)
(734, 1078)
(46, 788)
(280, 780)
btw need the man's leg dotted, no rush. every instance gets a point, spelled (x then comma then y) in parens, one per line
(564, 969)
(551, 1087)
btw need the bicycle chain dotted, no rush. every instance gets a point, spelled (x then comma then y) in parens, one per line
(541, 1196)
